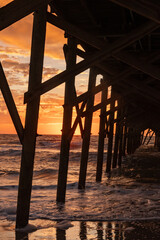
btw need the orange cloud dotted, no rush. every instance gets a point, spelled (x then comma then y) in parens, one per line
(20, 35)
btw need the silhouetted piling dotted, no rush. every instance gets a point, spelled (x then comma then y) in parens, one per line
(111, 131)
(31, 121)
(101, 137)
(87, 131)
(67, 121)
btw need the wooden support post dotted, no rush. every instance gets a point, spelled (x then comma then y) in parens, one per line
(11, 104)
(31, 122)
(124, 140)
(111, 132)
(67, 121)
(117, 138)
(87, 131)
(120, 146)
(101, 137)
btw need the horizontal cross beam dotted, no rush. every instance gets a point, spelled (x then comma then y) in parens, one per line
(17, 10)
(145, 8)
(4, 87)
(109, 50)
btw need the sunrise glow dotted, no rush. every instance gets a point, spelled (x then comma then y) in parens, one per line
(15, 45)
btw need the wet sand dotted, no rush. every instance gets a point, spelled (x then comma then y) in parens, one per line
(137, 230)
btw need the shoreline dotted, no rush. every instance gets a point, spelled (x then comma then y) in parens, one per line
(85, 230)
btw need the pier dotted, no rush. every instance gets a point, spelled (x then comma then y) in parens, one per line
(116, 39)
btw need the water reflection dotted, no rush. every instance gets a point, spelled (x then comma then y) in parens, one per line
(60, 234)
(21, 236)
(83, 231)
(98, 230)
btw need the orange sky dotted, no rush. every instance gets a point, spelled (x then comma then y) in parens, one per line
(15, 44)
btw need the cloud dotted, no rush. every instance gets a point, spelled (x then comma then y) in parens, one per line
(20, 35)
(15, 69)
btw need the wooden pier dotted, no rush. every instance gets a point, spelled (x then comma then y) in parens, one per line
(121, 41)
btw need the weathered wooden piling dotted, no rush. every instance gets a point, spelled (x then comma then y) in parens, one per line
(101, 136)
(31, 121)
(87, 131)
(120, 153)
(111, 131)
(67, 121)
(120, 146)
(124, 139)
(117, 137)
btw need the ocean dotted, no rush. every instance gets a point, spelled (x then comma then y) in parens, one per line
(131, 193)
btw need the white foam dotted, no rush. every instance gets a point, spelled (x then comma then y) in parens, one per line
(64, 225)
(129, 229)
(28, 228)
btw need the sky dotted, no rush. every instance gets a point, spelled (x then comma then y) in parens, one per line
(15, 45)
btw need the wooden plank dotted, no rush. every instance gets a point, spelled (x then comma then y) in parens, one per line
(7, 95)
(78, 117)
(109, 50)
(101, 136)
(121, 78)
(73, 30)
(31, 121)
(67, 121)
(139, 64)
(87, 132)
(17, 10)
(146, 8)
(86, 95)
(89, 39)
(97, 107)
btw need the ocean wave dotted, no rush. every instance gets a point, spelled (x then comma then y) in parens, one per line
(8, 172)
(10, 152)
(49, 144)
(9, 187)
(45, 173)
